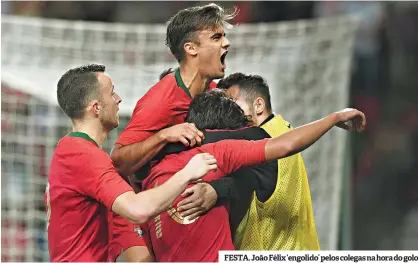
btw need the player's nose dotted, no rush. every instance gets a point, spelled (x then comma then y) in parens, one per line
(118, 99)
(226, 44)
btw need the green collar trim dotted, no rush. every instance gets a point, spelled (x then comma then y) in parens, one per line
(83, 135)
(180, 82)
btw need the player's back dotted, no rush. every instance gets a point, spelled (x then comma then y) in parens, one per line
(71, 213)
(175, 238)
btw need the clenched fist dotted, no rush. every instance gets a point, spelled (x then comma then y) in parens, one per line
(351, 120)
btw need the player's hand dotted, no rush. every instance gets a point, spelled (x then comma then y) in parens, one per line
(351, 120)
(199, 165)
(186, 133)
(198, 200)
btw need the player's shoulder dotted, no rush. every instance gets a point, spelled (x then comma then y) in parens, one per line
(255, 133)
(247, 133)
(80, 148)
(277, 126)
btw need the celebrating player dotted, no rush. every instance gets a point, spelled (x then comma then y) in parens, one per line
(197, 40)
(83, 185)
(291, 209)
(290, 206)
(176, 238)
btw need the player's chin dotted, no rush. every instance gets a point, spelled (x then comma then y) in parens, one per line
(220, 74)
(115, 123)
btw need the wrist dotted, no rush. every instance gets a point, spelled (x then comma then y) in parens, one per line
(162, 136)
(334, 117)
(183, 177)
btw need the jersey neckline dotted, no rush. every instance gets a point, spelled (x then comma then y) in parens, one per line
(84, 136)
(180, 82)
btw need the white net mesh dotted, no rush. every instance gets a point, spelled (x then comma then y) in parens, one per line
(306, 64)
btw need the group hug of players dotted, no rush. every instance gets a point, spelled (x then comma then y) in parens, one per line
(200, 167)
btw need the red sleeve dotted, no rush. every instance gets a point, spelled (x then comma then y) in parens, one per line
(124, 235)
(99, 179)
(233, 154)
(147, 119)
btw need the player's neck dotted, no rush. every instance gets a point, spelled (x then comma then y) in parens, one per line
(93, 129)
(261, 118)
(193, 80)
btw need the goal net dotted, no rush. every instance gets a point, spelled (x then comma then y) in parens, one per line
(306, 63)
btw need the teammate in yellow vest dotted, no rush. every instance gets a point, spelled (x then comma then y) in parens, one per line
(285, 221)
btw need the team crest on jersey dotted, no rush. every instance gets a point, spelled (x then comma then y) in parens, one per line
(138, 230)
(176, 216)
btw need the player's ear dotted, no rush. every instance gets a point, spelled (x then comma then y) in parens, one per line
(259, 105)
(94, 106)
(190, 48)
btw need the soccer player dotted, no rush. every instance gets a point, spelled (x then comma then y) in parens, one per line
(197, 40)
(177, 238)
(297, 229)
(290, 206)
(83, 186)
(238, 188)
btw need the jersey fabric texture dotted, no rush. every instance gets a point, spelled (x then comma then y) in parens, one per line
(164, 105)
(236, 190)
(82, 186)
(174, 238)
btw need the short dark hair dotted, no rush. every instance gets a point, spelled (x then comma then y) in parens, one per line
(250, 86)
(166, 72)
(77, 87)
(214, 110)
(182, 27)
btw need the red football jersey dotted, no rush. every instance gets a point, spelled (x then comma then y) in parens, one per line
(123, 235)
(212, 85)
(164, 105)
(174, 238)
(82, 186)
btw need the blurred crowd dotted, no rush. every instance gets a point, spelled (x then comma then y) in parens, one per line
(384, 86)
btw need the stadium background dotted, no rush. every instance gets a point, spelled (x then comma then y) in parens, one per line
(375, 178)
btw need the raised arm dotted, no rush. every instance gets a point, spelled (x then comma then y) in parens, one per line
(302, 137)
(232, 155)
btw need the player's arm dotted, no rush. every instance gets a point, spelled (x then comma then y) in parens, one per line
(202, 197)
(141, 207)
(234, 155)
(103, 184)
(135, 254)
(131, 157)
(127, 244)
(302, 137)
